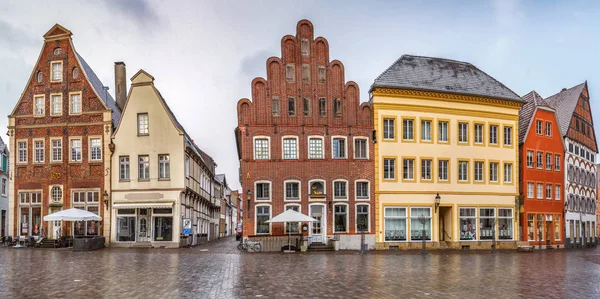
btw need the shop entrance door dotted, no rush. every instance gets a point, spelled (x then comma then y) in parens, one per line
(548, 232)
(143, 228)
(318, 228)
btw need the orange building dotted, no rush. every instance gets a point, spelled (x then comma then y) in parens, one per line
(542, 173)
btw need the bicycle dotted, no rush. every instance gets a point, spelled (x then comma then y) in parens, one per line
(248, 246)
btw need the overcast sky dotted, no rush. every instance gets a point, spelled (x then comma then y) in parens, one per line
(204, 54)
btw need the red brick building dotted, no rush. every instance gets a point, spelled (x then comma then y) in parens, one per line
(305, 143)
(59, 137)
(541, 172)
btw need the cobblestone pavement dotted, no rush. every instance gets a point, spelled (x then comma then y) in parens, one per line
(217, 270)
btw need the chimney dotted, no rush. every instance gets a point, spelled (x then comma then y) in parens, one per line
(120, 84)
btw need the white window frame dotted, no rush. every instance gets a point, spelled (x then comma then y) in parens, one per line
(411, 174)
(394, 171)
(443, 172)
(4, 186)
(35, 151)
(548, 188)
(320, 181)
(52, 63)
(285, 208)
(493, 134)
(122, 166)
(90, 152)
(268, 147)
(539, 191)
(512, 217)
(548, 129)
(356, 198)
(496, 173)
(464, 134)
(35, 111)
(475, 219)
(539, 157)
(548, 159)
(410, 218)
(530, 190)
(52, 148)
(51, 196)
(322, 147)
(406, 223)
(285, 198)
(164, 166)
(422, 168)
(270, 191)
(393, 128)
(139, 127)
(368, 217)
(405, 132)
(557, 163)
(509, 136)
(71, 94)
(347, 218)
(297, 156)
(52, 111)
(345, 147)
(443, 126)
(347, 197)
(256, 216)
(557, 192)
(430, 133)
(529, 159)
(139, 168)
(71, 139)
(538, 127)
(466, 173)
(19, 160)
(366, 139)
(478, 138)
(510, 173)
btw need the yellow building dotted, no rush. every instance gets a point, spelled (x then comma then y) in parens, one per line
(446, 156)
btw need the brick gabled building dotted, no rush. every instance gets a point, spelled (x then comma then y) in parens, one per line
(59, 137)
(541, 150)
(304, 143)
(577, 128)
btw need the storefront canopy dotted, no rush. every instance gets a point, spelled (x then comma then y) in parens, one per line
(72, 214)
(149, 205)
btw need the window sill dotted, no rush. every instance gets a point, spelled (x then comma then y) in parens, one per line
(142, 135)
(340, 199)
(143, 180)
(76, 162)
(38, 163)
(164, 179)
(95, 161)
(56, 162)
(74, 113)
(124, 180)
(363, 199)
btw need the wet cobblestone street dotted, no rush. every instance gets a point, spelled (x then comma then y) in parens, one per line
(222, 272)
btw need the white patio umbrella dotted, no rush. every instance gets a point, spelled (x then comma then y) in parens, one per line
(291, 216)
(72, 214)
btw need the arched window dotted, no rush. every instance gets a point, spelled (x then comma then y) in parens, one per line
(317, 188)
(40, 76)
(75, 73)
(56, 193)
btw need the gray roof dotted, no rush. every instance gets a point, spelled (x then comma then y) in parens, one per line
(220, 178)
(97, 85)
(564, 103)
(532, 101)
(442, 75)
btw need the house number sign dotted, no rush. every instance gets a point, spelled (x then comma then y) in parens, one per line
(55, 175)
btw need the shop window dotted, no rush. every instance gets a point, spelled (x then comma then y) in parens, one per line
(468, 223)
(362, 218)
(420, 224)
(163, 228)
(340, 218)
(395, 224)
(263, 214)
(487, 219)
(505, 224)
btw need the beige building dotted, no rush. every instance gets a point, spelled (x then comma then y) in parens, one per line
(161, 180)
(446, 156)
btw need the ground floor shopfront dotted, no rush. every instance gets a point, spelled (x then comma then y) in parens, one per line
(542, 228)
(407, 221)
(579, 230)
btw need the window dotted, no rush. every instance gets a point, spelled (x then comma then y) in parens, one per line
(75, 73)
(425, 130)
(22, 151)
(463, 171)
(426, 169)
(493, 134)
(530, 190)
(443, 131)
(124, 168)
(292, 227)
(389, 129)
(362, 218)
(292, 191)
(290, 148)
(530, 227)
(507, 136)
(4, 187)
(557, 227)
(304, 47)
(143, 123)
(463, 132)
(548, 128)
(261, 149)
(164, 167)
(408, 129)
(362, 190)
(505, 224)
(317, 188)
(56, 194)
(89, 201)
(468, 224)
(529, 159)
(321, 74)
(315, 148)
(539, 162)
(548, 191)
(56, 71)
(540, 191)
(263, 191)
(557, 162)
(443, 170)
(389, 169)
(275, 107)
(40, 77)
(487, 219)
(305, 73)
(570, 147)
(306, 106)
(340, 190)
(478, 134)
(478, 171)
(95, 149)
(538, 127)
(38, 106)
(548, 161)
(291, 104)
(163, 228)
(76, 150)
(339, 148)
(322, 107)
(337, 107)
(38, 148)
(420, 224)
(75, 103)
(360, 148)
(340, 220)
(263, 214)
(557, 192)
(56, 106)
(408, 167)
(508, 172)
(144, 167)
(577, 150)
(290, 73)
(30, 213)
(394, 224)
(494, 172)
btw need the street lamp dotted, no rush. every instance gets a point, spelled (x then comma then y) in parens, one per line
(437, 202)
(105, 197)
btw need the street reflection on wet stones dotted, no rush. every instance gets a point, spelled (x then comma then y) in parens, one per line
(222, 272)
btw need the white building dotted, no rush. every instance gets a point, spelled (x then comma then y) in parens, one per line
(4, 154)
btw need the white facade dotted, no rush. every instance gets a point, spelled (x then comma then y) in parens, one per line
(4, 187)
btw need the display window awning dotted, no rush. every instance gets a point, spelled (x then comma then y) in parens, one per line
(149, 205)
